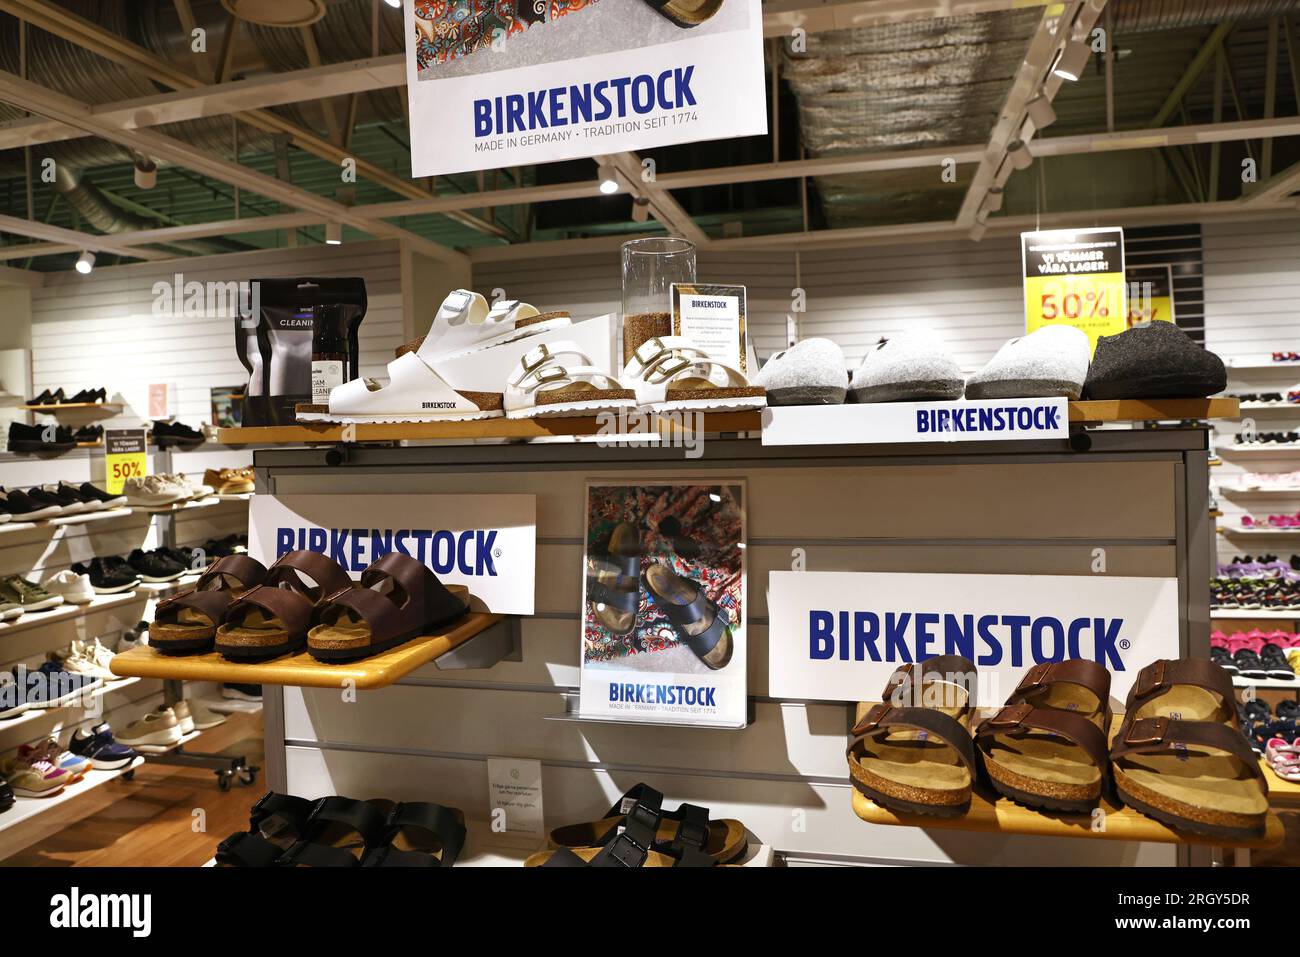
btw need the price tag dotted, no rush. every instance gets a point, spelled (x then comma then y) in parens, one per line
(1075, 277)
(124, 457)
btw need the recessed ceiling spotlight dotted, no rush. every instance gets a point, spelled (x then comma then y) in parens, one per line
(85, 262)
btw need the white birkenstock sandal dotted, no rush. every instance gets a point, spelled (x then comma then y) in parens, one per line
(465, 324)
(672, 373)
(415, 393)
(543, 385)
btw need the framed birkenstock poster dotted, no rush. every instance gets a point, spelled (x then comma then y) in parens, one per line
(663, 611)
(518, 82)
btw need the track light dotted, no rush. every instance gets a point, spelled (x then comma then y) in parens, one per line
(992, 200)
(640, 209)
(1040, 112)
(85, 262)
(146, 172)
(1072, 59)
(1003, 174)
(333, 234)
(1019, 155)
(607, 176)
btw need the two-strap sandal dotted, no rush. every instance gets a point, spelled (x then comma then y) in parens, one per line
(341, 832)
(275, 823)
(724, 840)
(639, 840)
(1180, 757)
(187, 623)
(398, 599)
(560, 379)
(614, 580)
(700, 624)
(272, 619)
(913, 753)
(672, 374)
(1048, 747)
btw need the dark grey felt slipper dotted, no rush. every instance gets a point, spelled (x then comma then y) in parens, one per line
(1154, 361)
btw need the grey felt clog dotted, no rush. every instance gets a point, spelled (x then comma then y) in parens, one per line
(1154, 361)
(910, 366)
(811, 372)
(1051, 361)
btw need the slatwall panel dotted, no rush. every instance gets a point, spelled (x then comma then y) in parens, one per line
(1179, 247)
(785, 775)
(1252, 286)
(100, 330)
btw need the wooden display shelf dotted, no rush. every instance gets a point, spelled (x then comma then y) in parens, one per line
(302, 669)
(1109, 410)
(324, 432)
(992, 813)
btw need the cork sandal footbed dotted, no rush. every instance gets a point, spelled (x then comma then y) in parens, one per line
(258, 629)
(351, 632)
(652, 859)
(1198, 789)
(417, 838)
(925, 775)
(190, 624)
(697, 387)
(1041, 768)
(727, 839)
(1184, 703)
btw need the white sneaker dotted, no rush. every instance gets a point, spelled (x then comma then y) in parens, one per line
(75, 589)
(101, 656)
(156, 728)
(75, 661)
(152, 491)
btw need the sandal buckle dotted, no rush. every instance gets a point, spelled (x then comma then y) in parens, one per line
(650, 350)
(553, 374)
(1037, 676)
(903, 677)
(1149, 679)
(535, 357)
(692, 834)
(872, 719)
(1012, 716)
(1147, 731)
(626, 851)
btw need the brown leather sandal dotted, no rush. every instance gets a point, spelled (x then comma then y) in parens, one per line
(273, 618)
(1180, 757)
(399, 599)
(186, 623)
(913, 753)
(1048, 748)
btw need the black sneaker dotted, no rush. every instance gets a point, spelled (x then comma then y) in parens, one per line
(1249, 665)
(50, 497)
(185, 557)
(39, 438)
(169, 434)
(1275, 663)
(154, 567)
(89, 491)
(25, 509)
(1224, 660)
(98, 745)
(108, 575)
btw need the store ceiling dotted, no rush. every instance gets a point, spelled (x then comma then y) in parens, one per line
(920, 83)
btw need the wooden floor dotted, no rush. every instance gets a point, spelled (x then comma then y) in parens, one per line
(152, 824)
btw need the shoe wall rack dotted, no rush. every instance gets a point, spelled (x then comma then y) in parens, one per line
(1016, 507)
(37, 550)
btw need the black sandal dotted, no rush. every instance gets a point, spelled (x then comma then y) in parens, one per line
(614, 580)
(419, 834)
(697, 619)
(638, 843)
(339, 833)
(271, 820)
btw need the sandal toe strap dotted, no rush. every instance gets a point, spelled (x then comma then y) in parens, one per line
(884, 718)
(1022, 717)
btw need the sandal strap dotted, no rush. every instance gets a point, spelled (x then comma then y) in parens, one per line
(243, 849)
(385, 619)
(293, 609)
(619, 598)
(695, 610)
(690, 843)
(908, 679)
(1169, 736)
(307, 854)
(631, 846)
(213, 604)
(362, 816)
(1158, 677)
(1075, 671)
(884, 718)
(1021, 717)
(293, 809)
(327, 574)
(248, 571)
(434, 818)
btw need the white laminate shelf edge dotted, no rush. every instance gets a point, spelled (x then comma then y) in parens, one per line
(1228, 614)
(36, 714)
(27, 809)
(38, 619)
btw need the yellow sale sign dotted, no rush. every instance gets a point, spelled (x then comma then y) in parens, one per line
(125, 457)
(1075, 277)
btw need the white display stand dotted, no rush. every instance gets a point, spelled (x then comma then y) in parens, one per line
(1136, 498)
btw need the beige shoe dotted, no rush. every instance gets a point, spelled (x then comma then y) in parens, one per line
(160, 727)
(152, 491)
(202, 717)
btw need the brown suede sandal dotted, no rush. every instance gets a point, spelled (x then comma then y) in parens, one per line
(913, 753)
(273, 618)
(399, 599)
(1048, 748)
(186, 623)
(1180, 757)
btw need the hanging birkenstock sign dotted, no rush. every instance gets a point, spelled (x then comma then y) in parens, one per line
(486, 542)
(1075, 277)
(839, 636)
(518, 82)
